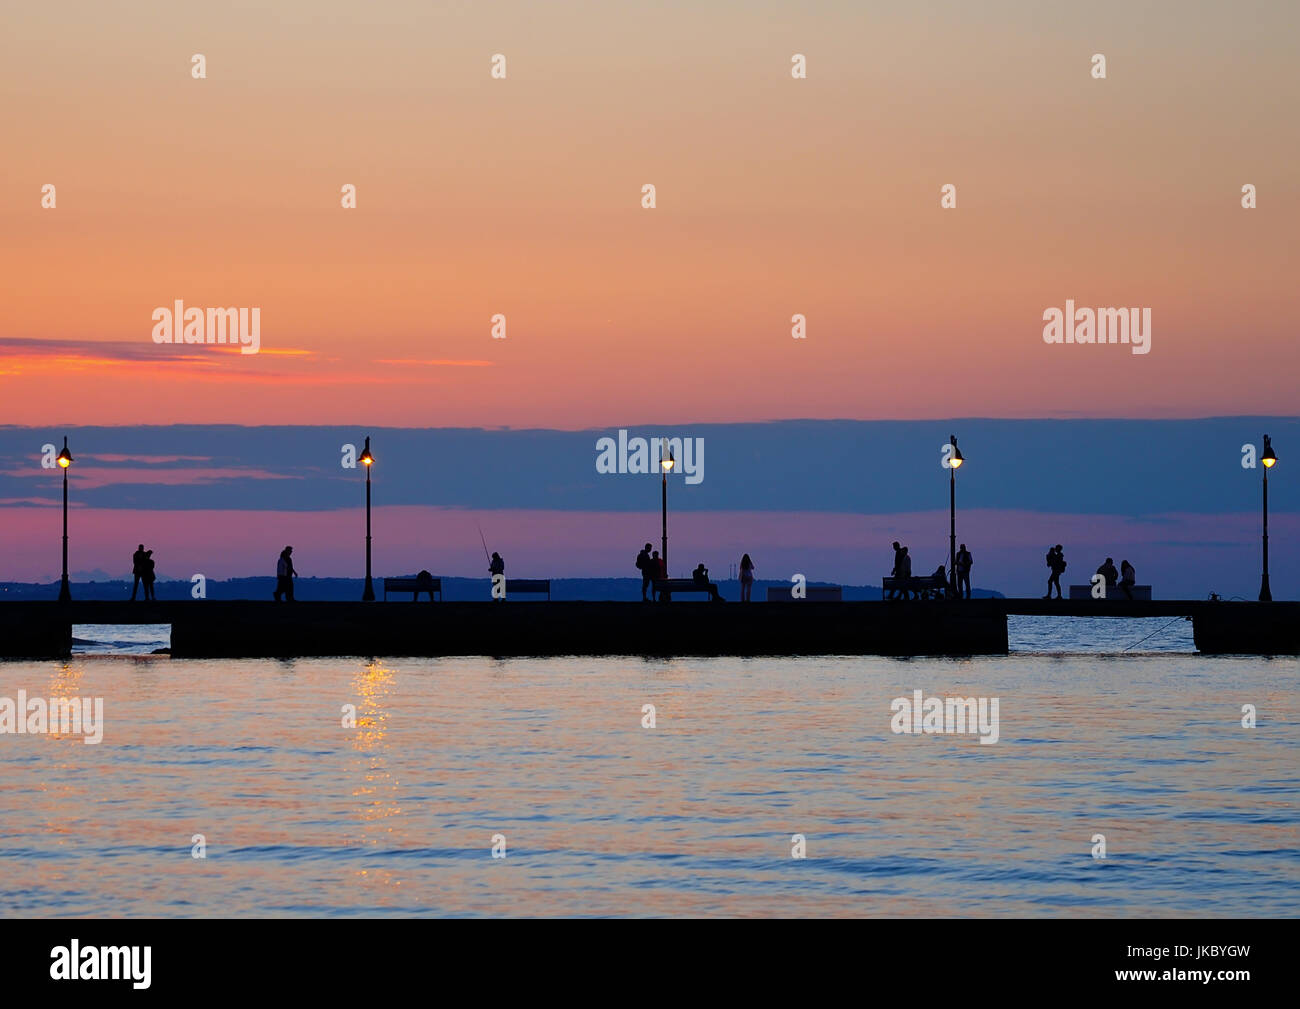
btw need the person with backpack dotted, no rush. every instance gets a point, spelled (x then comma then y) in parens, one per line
(643, 565)
(1056, 563)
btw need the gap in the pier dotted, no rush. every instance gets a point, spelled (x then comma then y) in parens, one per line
(120, 639)
(1101, 635)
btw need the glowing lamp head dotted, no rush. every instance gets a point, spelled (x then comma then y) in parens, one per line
(956, 460)
(65, 457)
(366, 458)
(667, 463)
(1268, 458)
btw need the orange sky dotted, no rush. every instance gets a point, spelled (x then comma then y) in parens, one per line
(522, 196)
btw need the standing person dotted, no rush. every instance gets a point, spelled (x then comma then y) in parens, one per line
(895, 572)
(148, 577)
(1056, 563)
(284, 575)
(963, 563)
(496, 566)
(647, 573)
(137, 569)
(746, 579)
(904, 571)
(656, 571)
(1127, 578)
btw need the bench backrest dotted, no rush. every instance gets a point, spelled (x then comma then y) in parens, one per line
(816, 593)
(411, 584)
(1112, 592)
(528, 585)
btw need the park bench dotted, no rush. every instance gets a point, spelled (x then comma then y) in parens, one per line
(812, 593)
(536, 586)
(927, 586)
(1142, 592)
(665, 587)
(415, 585)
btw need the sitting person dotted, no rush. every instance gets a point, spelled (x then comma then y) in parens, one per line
(700, 576)
(1108, 572)
(1128, 578)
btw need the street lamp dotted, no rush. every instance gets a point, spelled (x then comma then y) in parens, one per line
(65, 460)
(1269, 460)
(954, 463)
(368, 460)
(665, 465)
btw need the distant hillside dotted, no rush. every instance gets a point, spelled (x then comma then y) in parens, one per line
(350, 588)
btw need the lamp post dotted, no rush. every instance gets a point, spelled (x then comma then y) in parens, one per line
(1269, 460)
(665, 465)
(65, 460)
(368, 460)
(954, 463)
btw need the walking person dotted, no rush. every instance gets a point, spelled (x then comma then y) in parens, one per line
(963, 563)
(1127, 578)
(1056, 563)
(647, 573)
(137, 569)
(746, 578)
(284, 575)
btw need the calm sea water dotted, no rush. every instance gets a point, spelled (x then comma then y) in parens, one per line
(600, 816)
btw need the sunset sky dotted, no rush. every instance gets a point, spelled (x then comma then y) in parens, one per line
(775, 196)
(522, 196)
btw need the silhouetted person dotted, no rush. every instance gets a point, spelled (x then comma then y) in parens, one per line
(496, 566)
(423, 583)
(700, 576)
(746, 578)
(896, 570)
(284, 575)
(147, 577)
(1108, 571)
(904, 572)
(657, 571)
(1127, 578)
(137, 570)
(647, 572)
(963, 562)
(661, 566)
(1056, 563)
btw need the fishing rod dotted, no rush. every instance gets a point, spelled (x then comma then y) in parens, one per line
(484, 539)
